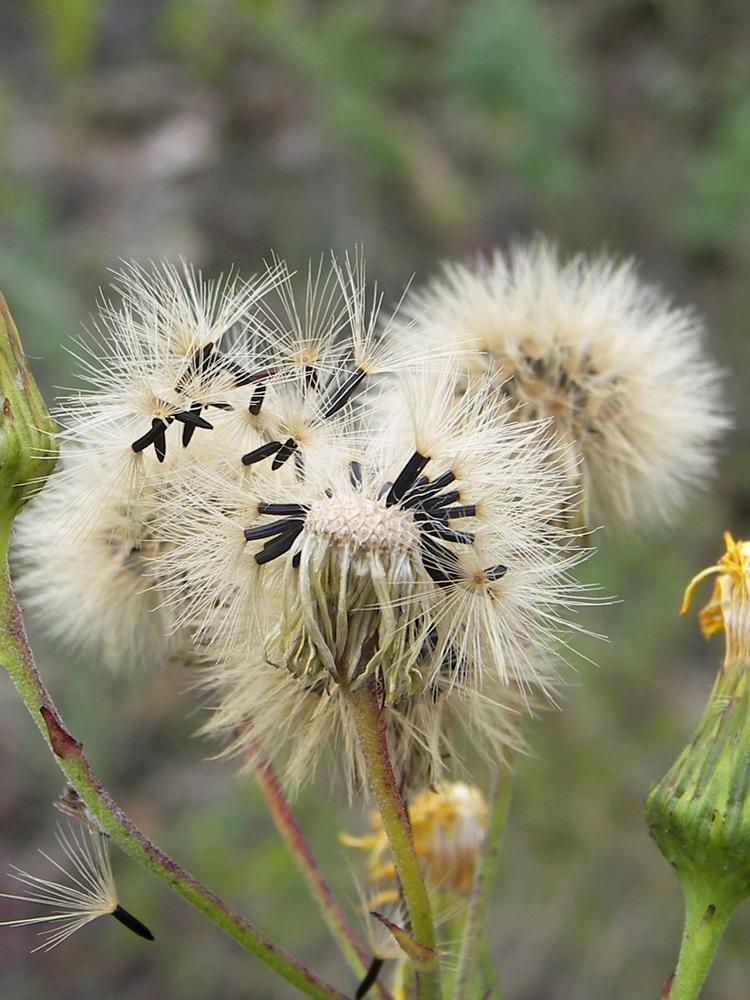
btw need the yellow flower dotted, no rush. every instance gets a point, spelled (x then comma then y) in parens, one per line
(729, 607)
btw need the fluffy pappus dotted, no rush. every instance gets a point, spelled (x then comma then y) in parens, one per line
(619, 369)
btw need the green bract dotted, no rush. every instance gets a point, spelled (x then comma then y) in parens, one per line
(28, 446)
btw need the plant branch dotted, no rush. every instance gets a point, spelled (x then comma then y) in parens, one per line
(18, 659)
(371, 725)
(287, 825)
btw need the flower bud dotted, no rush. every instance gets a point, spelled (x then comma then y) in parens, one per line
(28, 447)
(699, 813)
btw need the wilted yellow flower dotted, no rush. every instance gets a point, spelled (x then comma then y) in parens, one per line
(448, 823)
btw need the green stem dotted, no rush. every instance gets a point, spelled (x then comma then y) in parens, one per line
(474, 945)
(18, 659)
(299, 849)
(371, 725)
(706, 918)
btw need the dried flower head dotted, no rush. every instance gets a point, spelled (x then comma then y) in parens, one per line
(617, 367)
(88, 892)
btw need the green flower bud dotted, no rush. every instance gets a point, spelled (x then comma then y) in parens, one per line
(28, 446)
(699, 813)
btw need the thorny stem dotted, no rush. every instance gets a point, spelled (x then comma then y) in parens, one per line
(371, 725)
(475, 928)
(286, 824)
(18, 659)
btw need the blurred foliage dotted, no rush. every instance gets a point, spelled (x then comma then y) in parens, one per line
(70, 32)
(718, 214)
(218, 129)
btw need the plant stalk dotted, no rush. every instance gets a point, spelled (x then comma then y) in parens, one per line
(286, 824)
(371, 725)
(706, 918)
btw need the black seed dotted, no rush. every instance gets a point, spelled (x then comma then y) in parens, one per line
(385, 488)
(257, 400)
(286, 451)
(406, 477)
(370, 978)
(355, 473)
(442, 531)
(419, 484)
(440, 563)
(423, 490)
(193, 417)
(277, 547)
(268, 530)
(312, 380)
(160, 446)
(344, 392)
(260, 453)
(495, 572)
(283, 509)
(435, 503)
(199, 363)
(157, 428)
(132, 923)
(467, 510)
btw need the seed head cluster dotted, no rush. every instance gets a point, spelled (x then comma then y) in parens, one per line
(299, 496)
(617, 368)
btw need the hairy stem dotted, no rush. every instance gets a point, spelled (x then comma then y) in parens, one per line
(371, 725)
(18, 659)
(474, 941)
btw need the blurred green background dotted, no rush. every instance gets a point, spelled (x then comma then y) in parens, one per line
(425, 129)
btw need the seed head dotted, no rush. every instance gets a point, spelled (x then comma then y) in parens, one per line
(620, 371)
(439, 573)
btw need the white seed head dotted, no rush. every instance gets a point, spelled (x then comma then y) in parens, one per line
(442, 575)
(619, 369)
(81, 556)
(251, 502)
